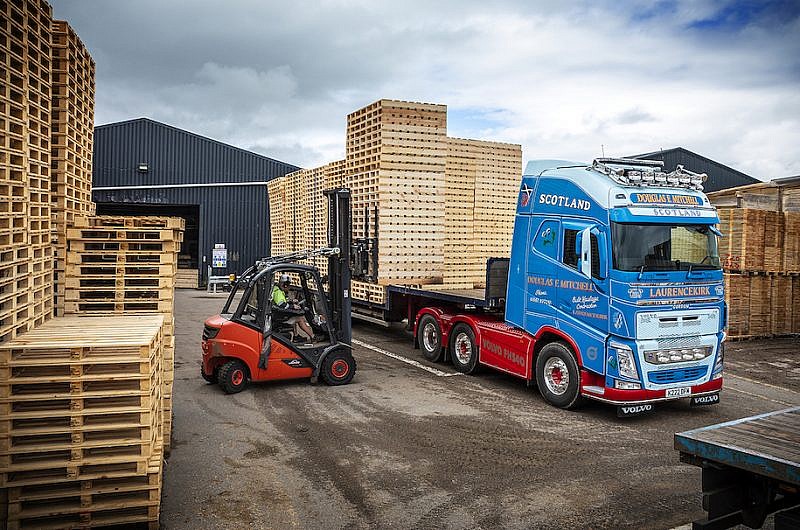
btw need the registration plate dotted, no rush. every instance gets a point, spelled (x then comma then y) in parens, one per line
(679, 392)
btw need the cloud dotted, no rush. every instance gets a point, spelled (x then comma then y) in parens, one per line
(562, 79)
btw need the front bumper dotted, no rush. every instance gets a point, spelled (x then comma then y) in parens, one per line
(616, 396)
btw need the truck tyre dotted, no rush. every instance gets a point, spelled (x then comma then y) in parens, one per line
(429, 337)
(209, 378)
(464, 349)
(233, 377)
(338, 368)
(558, 376)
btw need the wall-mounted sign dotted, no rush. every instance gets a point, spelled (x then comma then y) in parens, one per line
(219, 256)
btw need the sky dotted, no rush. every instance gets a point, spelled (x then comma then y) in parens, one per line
(565, 79)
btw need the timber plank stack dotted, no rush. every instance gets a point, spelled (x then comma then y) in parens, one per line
(127, 265)
(81, 411)
(443, 205)
(72, 120)
(761, 257)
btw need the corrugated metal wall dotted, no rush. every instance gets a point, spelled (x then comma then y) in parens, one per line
(720, 176)
(237, 216)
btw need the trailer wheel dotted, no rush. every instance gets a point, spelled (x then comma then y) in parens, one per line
(464, 349)
(233, 376)
(338, 368)
(558, 376)
(209, 378)
(429, 336)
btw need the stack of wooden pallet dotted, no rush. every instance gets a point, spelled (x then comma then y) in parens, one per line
(761, 257)
(127, 265)
(299, 210)
(81, 414)
(186, 279)
(444, 205)
(26, 264)
(482, 184)
(72, 119)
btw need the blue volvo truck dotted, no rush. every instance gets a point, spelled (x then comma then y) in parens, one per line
(613, 290)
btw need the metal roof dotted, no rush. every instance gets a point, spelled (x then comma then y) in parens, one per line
(173, 156)
(720, 176)
(227, 184)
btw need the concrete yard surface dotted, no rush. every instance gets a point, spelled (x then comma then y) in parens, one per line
(406, 447)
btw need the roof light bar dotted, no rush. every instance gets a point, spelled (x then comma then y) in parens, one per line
(627, 171)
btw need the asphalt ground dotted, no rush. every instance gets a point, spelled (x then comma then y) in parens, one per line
(410, 445)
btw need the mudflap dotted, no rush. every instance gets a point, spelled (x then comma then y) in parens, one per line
(702, 401)
(626, 411)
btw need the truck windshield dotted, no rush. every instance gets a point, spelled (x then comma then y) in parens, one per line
(640, 247)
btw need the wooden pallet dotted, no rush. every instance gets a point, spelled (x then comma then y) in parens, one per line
(368, 292)
(119, 234)
(150, 222)
(81, 503)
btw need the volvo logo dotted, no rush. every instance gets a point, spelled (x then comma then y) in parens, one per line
(633, 410)
(635, 292)
(713, 399)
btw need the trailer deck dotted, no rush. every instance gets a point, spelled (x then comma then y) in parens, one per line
(751, 467)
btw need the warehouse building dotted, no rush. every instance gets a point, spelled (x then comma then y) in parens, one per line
(143, 167)
(720, 176)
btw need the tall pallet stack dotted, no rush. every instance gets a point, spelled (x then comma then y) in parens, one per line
(80, 409)
(396, 154)
(26, 287)
(72, 119)
(482, 184)
(127, 265)
(761, 257)
(299, 210)
(444, 205)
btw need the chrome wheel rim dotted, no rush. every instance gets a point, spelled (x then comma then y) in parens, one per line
(463, 348)
(556, 376)
(430, 338)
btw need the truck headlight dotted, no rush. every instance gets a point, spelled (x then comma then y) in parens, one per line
(625, 360)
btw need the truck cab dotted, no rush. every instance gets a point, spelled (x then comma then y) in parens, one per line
(616, 263)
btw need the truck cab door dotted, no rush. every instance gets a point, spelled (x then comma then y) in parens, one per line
(541, 268)
(582, 301)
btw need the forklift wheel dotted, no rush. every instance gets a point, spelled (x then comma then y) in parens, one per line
(209, 378)
(338, 368)
(233, 376)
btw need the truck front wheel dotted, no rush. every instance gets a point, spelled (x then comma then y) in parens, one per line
(558, 376)
(429, 336)
(464, 349)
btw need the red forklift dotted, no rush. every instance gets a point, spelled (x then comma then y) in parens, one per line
(251, 338)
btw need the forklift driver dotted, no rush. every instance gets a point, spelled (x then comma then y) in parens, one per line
(298, 322)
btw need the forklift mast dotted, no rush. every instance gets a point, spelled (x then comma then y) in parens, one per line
(339, 236)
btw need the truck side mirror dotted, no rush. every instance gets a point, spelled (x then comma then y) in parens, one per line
(600, 238)
(591, 241)
(585, 256)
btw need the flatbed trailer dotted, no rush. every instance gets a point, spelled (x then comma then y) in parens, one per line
(751, 468)
(401, 302)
